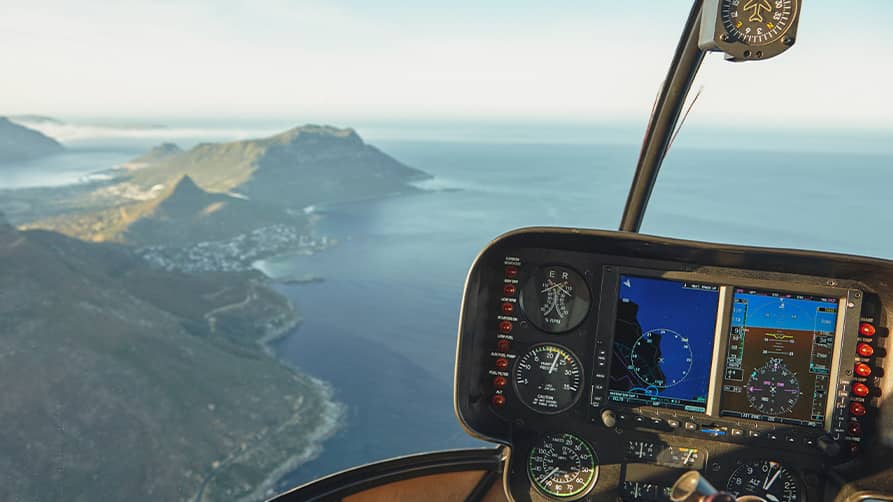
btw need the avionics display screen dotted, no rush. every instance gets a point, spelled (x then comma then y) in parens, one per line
(663, 343)
(778, 359)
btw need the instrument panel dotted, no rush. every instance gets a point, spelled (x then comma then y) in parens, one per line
(612, 363)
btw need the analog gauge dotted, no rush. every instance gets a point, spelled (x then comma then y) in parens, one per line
(641, 450)
(562, 466)
(758, 22)
(661, 358)
(556, 299)
(548, 378)
(766, 479)
(773, 389)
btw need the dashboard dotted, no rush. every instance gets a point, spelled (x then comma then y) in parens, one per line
(611, 363)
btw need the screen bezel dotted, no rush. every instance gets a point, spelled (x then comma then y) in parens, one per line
(845, 334)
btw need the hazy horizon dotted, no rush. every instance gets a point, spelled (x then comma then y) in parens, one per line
(343, 60)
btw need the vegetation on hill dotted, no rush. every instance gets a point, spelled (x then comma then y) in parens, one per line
(121, 382)
(183, 214)
(300, 167)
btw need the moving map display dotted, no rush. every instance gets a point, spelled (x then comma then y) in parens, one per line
(778, 360)
(663, 343)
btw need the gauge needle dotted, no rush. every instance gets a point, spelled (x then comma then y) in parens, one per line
(769, 482)
(687, 458)
(550, 288)
(554, 364)
(549, 475)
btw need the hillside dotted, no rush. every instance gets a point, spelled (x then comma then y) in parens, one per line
(19, 143)
(300, 167)
(182, 215)
(157, 154)
(120, 382)
(187, 214)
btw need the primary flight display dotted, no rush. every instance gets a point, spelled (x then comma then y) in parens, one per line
(778, 360)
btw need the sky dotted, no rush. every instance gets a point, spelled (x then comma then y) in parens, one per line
(586, 61)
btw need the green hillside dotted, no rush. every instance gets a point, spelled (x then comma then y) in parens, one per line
(124, 383)
(300, 167)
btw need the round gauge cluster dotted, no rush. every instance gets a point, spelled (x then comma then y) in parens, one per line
(768, 480)
(758, 22)
(562, 466)
(556, 299)
(548, 378)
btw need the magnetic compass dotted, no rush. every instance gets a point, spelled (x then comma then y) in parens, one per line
(749, 29)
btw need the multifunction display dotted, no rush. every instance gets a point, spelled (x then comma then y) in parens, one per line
(723, 350)
(663, 343)
(778, 358)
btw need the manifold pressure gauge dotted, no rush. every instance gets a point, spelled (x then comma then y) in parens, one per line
(749, 30)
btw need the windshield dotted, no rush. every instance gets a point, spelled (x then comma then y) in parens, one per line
(235, 235)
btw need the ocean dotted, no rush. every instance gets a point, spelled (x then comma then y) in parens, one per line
(381, 327)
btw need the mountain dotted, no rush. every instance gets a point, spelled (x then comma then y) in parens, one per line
(300, 167)
(187, 214)
(182, 215)
(158, 153)
(18, 143)
(28, 119)
(121, 382)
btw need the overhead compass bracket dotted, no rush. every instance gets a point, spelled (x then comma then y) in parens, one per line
(749, 30)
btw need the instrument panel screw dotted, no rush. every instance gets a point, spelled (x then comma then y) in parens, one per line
(857, 294)
(831, 282)
(788, 41)
(724, 37)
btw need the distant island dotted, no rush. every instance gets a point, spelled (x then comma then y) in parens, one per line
(19, 143)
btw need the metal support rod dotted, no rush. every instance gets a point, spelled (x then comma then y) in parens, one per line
(664, 117)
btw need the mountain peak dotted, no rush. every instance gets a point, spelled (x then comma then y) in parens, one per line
(186, 187)
(313, 133)
(159, 153)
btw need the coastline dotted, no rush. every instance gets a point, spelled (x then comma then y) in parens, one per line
(331, 413)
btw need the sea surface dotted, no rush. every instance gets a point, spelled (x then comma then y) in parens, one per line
(381, 327)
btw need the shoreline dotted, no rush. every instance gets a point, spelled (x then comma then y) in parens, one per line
(331, 414)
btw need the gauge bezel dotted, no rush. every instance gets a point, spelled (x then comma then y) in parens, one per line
(579, 393)
(798, 478)
(532, 318)
(715, 37)
(586, 490)
(795, 11)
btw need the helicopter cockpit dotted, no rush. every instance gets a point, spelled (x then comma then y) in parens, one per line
(608, 365)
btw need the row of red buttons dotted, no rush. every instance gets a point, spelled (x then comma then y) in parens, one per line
(503, 345)
(863, 370)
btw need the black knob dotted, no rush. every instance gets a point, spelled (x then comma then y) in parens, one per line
(829, 446)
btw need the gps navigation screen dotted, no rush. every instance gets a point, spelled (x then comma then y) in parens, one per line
(778, 361)
(663, 343)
